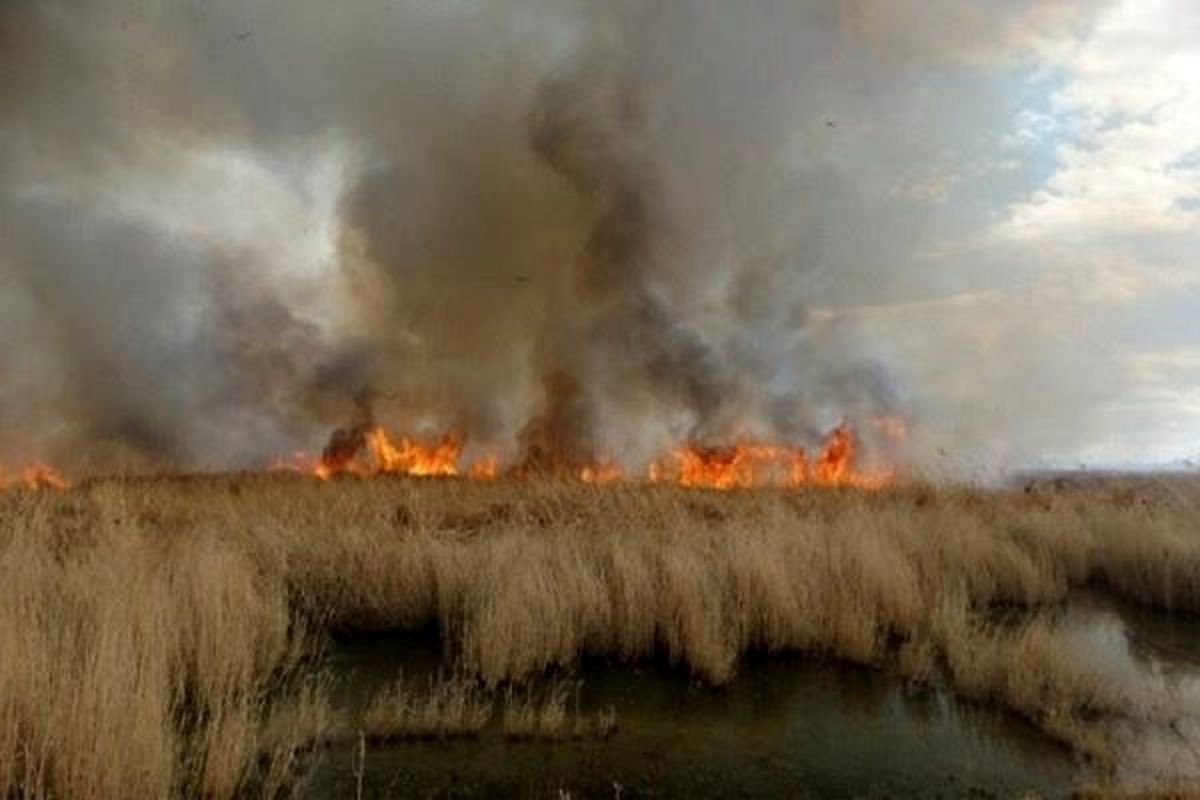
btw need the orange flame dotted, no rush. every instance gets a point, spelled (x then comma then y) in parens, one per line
(483, 469)
(741, 465)
(409, 457)
(35, 475)
(748, 464)
(383, 455)
(603, 471)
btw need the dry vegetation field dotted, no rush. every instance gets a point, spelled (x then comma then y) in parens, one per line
(148, 628)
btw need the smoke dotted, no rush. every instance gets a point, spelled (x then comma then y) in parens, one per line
(568, 230)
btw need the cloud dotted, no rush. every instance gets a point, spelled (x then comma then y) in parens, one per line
(1127, 121)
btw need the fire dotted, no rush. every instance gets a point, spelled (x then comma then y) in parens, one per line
(409, 457)
(35, 475)
(373, 451)
(837, 457)
(741, 465)
(483, 469)
(748, 464)
(603, 471)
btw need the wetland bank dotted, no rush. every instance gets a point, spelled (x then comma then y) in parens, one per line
(512, 289)
(226, 636)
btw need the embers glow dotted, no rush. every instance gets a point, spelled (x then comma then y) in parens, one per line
(603, 471)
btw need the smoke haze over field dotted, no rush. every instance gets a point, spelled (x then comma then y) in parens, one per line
(595, 229)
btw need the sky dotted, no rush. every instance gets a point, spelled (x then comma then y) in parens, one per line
(221, 222)
(1113, 227)
(1077, 282)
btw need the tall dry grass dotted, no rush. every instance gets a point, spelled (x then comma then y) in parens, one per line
(447, 708)
(458, 706)
(145, 624)
(136, 663)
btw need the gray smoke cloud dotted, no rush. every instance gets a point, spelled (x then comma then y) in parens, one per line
(568, 230)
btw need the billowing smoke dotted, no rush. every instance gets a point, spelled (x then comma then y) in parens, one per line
(567, 230)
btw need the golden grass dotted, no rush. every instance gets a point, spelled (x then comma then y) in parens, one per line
(460, 707)
(1030, 672)
(538, 715)
(543, 714)
(449, 708)
(136, 665)
(145, 624)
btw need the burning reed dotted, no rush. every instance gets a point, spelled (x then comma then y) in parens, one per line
(368, 449)
(145, 625)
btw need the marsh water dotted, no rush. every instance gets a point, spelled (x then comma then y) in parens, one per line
(787, 726)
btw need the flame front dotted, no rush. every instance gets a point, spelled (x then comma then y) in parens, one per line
(749, 464)
(380, 454)
(745, 464)
(741, 465)
(35, 475)
(373, 451)
(483, 469)
(603, 471)
(409, 457)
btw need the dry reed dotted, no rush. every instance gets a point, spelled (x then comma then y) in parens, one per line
(459, 707)
(450, 708)
(541, 715)
(133, 664)
(145, 624)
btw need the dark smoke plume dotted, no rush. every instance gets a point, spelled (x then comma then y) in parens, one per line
(567, 230)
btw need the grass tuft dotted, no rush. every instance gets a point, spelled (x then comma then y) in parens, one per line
(149, 627)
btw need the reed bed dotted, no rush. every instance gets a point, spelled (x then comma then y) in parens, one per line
(459, 706)
(147, 625)
(545, 714)
(448, 708)
(136, 666)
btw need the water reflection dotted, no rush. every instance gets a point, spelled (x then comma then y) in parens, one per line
(786, 726)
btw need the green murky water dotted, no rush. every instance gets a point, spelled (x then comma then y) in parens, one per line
(786, 727)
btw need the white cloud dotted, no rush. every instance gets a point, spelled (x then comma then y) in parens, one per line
(1128, 115)
(1072, 308)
